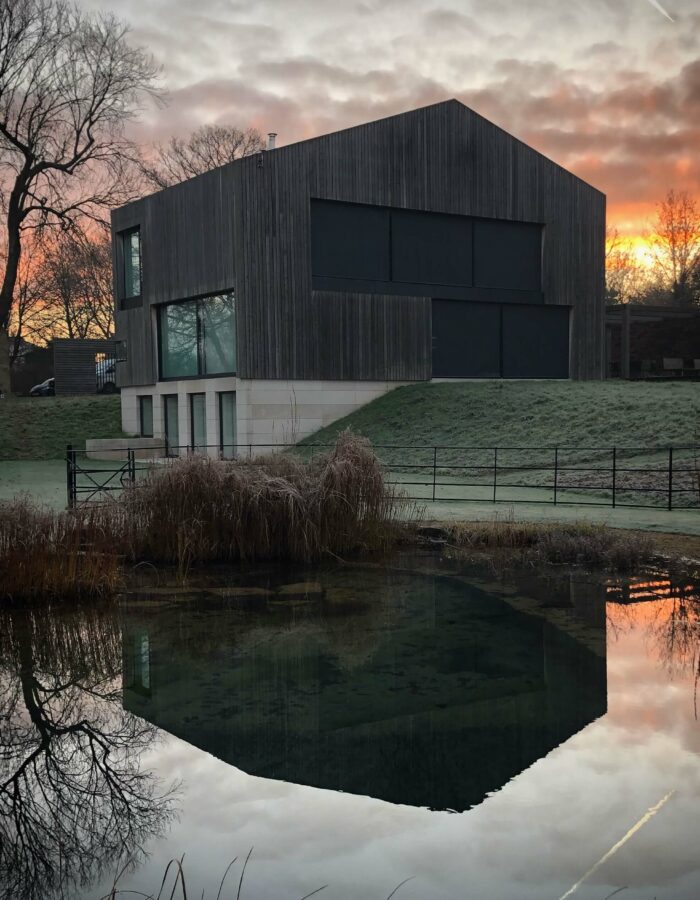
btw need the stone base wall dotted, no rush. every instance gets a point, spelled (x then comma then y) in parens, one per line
(269, 414)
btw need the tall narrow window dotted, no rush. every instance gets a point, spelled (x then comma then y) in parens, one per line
(227, 424)
(141, 663)
(198, 422)
(131, 250)
(146, 416)
(171, 424)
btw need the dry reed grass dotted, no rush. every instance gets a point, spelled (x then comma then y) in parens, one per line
(276, 507)
(587, 544)
(55, 556)
(201, 510)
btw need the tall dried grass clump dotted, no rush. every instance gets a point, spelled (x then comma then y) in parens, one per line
(275, 507)
(55, 556)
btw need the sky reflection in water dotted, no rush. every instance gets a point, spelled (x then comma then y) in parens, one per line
(413, 695)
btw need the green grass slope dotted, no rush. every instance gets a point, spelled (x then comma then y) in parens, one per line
(41, 427)
(529, 414)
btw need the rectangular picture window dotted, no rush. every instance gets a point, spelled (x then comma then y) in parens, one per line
(131, 251)
(198, 422)
(227, 424)
(146, 416)
(197, 337)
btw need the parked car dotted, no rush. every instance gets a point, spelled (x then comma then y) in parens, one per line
(106, 374)
(45, 389)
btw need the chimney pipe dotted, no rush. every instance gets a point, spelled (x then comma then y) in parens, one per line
(272, 136)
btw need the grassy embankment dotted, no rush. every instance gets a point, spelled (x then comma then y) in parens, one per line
(34, 433)
(585, 420)
(40, 428)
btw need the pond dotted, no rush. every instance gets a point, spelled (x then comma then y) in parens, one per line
(359, 728)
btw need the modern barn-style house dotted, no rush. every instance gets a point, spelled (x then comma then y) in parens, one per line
(273, 295)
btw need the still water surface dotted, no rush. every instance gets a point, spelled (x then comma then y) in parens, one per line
(530, 738)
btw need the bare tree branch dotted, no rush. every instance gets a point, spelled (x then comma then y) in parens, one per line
(69, 83)
(206, 148)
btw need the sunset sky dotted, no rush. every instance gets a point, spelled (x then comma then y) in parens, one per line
(607, 88)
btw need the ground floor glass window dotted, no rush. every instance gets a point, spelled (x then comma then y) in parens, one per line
(227, 424)
(146, 416)
(198, 422)
(171, 424)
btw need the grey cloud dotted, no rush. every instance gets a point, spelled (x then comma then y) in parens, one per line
(604, 88)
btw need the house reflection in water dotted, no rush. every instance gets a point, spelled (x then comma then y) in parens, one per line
(420, 690)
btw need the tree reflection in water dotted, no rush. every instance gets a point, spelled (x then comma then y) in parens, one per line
(672, 622)
(677, 631)
(74, 801)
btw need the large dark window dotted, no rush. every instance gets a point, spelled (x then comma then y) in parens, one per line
(131, 257)
(197, 337)
(350, 241)
(466, 339)
(429, 248)
(491, 340)
(535, 341)
(376, 249)
(507, 255)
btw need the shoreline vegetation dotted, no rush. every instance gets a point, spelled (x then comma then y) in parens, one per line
(197, 511)
(200, 510)
(551, 544)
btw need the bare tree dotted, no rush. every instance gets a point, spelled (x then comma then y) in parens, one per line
(32, 320)
(675, 246)
(69, 82)
(73, 277)
(205, 149)
(74, 798)
(623, 278)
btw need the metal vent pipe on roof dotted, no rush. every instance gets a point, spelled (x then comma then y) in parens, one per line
(271, 138)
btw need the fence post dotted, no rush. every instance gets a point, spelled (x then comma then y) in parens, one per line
(70, 476)
(435, 449)
(556, 472)
(495, 471)
(670, 477)
(614, 476)
(132, 465)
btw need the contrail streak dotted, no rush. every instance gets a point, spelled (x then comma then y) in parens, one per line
(650, 813)
(657, 5)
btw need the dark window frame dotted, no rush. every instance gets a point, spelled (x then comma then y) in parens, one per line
(129, 300)
(200, 348)
(141, 398)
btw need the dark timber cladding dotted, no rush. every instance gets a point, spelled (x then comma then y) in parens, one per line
(439, 178)
(75, 364)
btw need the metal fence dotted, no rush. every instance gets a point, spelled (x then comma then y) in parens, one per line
(642, 477)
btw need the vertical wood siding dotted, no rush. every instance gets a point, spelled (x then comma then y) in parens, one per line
(74, 364)
(254, 220)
